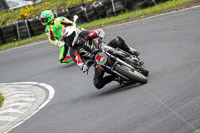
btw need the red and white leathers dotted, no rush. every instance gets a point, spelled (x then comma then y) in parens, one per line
(81, 51)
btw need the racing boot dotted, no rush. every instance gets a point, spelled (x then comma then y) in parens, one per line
(127, 48)
(120, 43)
(133, 51)
(122, 81)
(118, 79)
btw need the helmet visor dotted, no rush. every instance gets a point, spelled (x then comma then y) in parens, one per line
(69, 39)
(72, 36)
(44, 20)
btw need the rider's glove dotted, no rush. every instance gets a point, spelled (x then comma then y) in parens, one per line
(60, 43)
(101, 34)
(84, 68)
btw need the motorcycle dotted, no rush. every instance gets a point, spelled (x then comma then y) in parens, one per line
(125, 66)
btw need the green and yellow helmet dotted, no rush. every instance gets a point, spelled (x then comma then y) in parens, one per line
(47, 17)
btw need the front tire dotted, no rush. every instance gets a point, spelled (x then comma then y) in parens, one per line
(144, 70)
(129, 73)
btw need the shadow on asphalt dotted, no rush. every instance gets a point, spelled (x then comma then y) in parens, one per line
(104, 92)
(119, 88)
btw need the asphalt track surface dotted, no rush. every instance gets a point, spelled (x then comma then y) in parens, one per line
(168, 103)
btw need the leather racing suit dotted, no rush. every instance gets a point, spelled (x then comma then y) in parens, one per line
(54, 31)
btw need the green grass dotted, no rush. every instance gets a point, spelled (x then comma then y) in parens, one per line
(1, 100)
(31, 11)
(138, 14)
(123, 17)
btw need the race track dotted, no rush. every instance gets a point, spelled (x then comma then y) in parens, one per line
(168, 103)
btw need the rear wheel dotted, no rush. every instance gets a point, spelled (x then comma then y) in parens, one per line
(131, 74)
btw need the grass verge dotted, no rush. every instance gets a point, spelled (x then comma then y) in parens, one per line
(171, 5)
(127, 16)
(1, 100)
(31, 11)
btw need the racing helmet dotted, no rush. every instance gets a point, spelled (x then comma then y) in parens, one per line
(70, 35)
(47, 17)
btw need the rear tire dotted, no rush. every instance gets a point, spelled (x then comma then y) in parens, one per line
(132, 75)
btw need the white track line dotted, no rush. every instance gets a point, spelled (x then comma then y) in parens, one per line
(155, 16)
(170, 109)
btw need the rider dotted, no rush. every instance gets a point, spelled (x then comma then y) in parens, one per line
(80, 42)
(54, 27)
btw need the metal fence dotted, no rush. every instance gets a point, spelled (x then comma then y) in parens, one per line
(106, 8)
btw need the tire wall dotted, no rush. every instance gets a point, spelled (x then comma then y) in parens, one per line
(106, 8)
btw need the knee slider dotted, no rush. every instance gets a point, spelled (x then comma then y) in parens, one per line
(97, 84)
(61, 60)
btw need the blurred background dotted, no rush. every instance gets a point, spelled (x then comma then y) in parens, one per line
(14, 4)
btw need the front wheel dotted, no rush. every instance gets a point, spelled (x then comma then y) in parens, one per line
(129, 73)
(144, 70)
